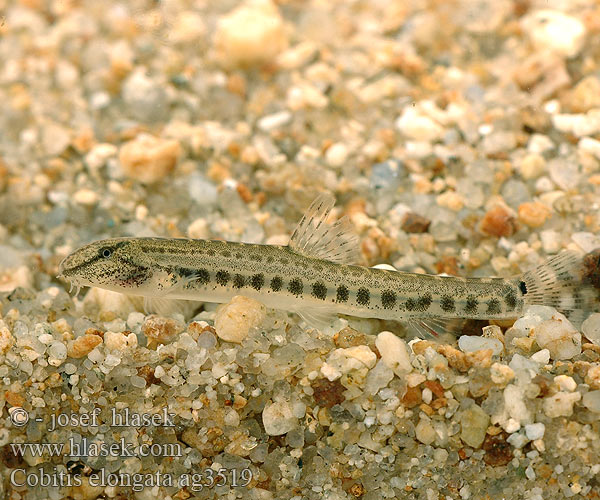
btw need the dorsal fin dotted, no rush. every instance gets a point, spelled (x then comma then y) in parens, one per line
(315, 238)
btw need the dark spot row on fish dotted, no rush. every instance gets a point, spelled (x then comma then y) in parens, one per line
(363, 295)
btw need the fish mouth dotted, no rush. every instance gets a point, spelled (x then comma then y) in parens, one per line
(72, 282)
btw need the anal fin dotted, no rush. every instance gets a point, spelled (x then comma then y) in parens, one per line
(434, 328)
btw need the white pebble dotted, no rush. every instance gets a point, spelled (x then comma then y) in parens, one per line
(550, 241)
(514, 404)
(591, 146)
(341, 361)
(234, 320)
(107, 300)
(591, 328)
(425, 432)
(119, 341)
(517, 440)
(511, 425)
(561, 404)
(45, 338)
(330, 372)
(580, 125)
(535, 431)
(134, 319)
(363, 354)
(591, 400)
(137, 381)
(274, 121)
(586, 241)
(416, 125)
(232, 418)
(427, 395)
(336, 155)
(560, 337)
(472, 343)
(57, 353)
(565, 383)
(394, 352)
(501, 374)
(538, 144)
(278, 418)
(198, 229)
(251, 34)
(85, 197)
(555, 31)
(542, 357)
(380, 376)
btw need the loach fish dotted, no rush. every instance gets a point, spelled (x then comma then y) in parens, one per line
(316, 276)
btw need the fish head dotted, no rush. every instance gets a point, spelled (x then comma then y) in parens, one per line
(117, 264)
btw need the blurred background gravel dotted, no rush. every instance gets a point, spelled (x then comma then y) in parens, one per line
(461, 137)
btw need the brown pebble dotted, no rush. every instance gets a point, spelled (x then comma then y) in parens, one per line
(498, 222)
(195, 329)
(533, 214)
(438, 403)
(83, 345)
(349, 337)
(161, 329)
(244, 192)
(544, 383)
(412, 397)
(147, 373)
(326, 393)
(425, 408)
(493, 430)
(435, 387)
(10, 459)
(584, 96)
(239, 402)
(94, 331)
(415, 223)
(422, 345)
(480, 359)
(182, 494)
(582, 367)
(591, 265)
(497, 451)
(357, 490)
(236, 84)
(447, 264)
(14, 399)
(214, 443)
(456, 359)
(84, 140)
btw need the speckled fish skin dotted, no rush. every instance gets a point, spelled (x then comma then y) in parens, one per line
(314, 276)
(279, 277)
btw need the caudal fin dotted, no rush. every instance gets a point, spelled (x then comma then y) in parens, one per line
(569, 282)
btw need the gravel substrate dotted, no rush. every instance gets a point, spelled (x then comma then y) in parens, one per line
(459, 137)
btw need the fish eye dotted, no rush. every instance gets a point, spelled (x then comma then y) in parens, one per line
(106, 252)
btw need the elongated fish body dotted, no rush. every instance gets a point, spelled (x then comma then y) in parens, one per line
(310, 277)
(283, 279)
